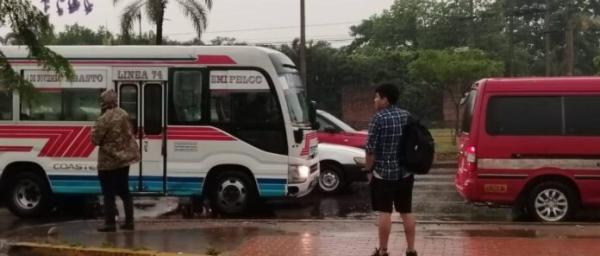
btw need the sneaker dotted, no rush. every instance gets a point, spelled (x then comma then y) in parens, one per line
(377, 252)
(411, 253)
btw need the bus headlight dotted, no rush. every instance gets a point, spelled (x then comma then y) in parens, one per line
(298, 174)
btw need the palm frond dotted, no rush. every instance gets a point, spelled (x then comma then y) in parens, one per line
(30, 26)
(11, 80)
(208, 4)
(197, 14)
(129, 16)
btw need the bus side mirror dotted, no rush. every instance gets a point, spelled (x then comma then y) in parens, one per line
(312, 115)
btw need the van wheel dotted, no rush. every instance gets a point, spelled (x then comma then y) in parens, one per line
(233, 193)
(552, 201)
(331, 179)
(29, 195)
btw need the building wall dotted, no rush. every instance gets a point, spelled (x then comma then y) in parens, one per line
(357, 106)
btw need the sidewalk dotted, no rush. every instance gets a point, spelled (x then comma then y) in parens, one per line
(323, 237)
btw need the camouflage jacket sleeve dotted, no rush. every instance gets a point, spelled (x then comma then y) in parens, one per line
(99, 131)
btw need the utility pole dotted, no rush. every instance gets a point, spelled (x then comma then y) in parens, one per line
(547, 54)
(471, 38)
(302, 52)
(509, 62)
(570, 38)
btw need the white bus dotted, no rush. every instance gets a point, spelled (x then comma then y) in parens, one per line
(229, 123)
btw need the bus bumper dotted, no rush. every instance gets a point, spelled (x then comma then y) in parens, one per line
(302, 189)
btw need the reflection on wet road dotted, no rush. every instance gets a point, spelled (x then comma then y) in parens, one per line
(435, 199)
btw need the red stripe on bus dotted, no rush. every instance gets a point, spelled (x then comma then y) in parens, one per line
(76, 142)
(67, 141)
(201, 138)
(16, 148)
(88, 150)
(214, 59)
(85, 144)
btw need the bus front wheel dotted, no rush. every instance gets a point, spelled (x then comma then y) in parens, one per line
(29, 195)
(233, 193)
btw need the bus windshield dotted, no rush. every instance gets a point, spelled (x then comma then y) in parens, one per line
(295, 96)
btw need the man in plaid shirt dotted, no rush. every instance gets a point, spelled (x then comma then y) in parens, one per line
(391, 185)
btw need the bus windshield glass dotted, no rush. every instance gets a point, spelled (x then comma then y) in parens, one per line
(295, 96)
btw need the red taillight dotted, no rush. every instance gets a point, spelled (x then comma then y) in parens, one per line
(470, 158)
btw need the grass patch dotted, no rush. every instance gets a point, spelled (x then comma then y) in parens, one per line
(445, 144)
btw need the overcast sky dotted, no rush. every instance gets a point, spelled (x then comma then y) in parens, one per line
(252, 21)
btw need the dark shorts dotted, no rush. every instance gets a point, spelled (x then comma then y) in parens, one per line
(386, 194)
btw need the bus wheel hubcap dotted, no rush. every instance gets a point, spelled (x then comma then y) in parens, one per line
(27, 194)
(232, 193)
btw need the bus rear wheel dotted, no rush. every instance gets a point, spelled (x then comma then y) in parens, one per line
(29, 195)
(233, 193)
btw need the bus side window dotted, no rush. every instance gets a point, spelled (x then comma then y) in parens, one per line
(186, 97)
(5, 105)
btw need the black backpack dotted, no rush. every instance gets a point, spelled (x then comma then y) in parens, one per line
(418, 147)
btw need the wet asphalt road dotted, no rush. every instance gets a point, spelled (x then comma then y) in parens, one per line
(434, 199)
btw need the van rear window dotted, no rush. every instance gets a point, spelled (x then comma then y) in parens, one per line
(582, 115)
(544, 115)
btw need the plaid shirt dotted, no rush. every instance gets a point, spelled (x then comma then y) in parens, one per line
(385, 135)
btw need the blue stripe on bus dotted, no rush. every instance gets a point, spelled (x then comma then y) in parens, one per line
(177, 186)
(272, 187)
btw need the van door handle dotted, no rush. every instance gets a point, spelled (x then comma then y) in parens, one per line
(145, 146)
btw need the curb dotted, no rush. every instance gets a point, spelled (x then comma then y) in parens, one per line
(38, 249)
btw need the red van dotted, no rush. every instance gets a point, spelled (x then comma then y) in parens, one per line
(532, 143)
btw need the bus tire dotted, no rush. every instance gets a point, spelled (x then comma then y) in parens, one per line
(28, 195)
(552, 201)
(232, 193)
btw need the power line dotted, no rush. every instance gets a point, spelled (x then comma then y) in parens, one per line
(288, 42)
(270, 28)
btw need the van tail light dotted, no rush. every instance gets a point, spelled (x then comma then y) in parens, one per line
(471, 158)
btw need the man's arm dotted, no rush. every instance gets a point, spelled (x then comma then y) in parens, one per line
(372, 141)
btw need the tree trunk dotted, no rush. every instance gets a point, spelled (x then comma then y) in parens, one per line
(159, 23)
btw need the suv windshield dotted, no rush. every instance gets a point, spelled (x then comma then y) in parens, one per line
(295, 96)
(335, 121)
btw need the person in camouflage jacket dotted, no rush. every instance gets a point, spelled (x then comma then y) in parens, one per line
(118, 149)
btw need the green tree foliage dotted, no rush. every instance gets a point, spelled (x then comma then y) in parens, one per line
(79, 35)
(223, 40)
(155, 12)
(29, 27)
(453, 70)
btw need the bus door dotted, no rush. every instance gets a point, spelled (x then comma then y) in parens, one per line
(144, 101)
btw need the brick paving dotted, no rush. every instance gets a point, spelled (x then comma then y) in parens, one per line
(305, 245)
(330, 238)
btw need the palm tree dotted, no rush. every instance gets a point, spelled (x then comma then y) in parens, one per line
(155, 11)
(29, 27)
